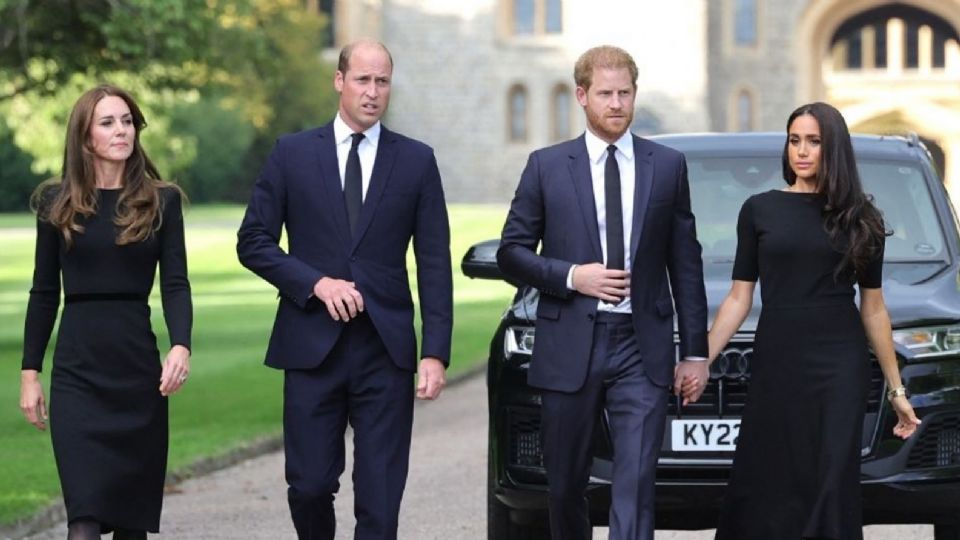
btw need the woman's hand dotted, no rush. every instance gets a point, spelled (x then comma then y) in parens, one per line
(176, 368)
(907, 419)
(32, 403)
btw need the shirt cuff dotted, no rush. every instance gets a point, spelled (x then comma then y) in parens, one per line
(694, 359)
(570, 278)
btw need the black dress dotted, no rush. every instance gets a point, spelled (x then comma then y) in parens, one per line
(108, 421)
(796, 472)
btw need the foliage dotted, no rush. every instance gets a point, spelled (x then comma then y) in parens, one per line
(218, 80)
(44, 43)
(17, 181)
(221, 138)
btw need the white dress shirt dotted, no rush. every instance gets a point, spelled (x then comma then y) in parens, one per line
(597, 152)
(366, 151)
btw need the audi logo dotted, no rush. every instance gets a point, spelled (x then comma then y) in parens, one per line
(732, 365)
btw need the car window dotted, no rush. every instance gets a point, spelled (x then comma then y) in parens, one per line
(719, 185)
(901, 192)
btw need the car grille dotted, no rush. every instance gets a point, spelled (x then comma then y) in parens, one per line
(939, 445)
(726, 394)
(525, 448)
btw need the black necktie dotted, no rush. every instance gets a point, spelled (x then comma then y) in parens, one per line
(353, 184)
(611, 188)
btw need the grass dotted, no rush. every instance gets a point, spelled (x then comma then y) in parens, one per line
(231, 398)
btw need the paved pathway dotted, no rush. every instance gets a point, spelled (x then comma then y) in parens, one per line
(445, 496)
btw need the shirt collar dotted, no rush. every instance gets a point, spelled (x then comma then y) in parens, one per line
(342, 132)
(597, 147)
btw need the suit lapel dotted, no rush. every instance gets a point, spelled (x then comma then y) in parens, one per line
(643, 185)
(330, 175)
(382, 165)
(583, 185)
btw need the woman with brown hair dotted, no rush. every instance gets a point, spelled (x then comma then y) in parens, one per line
(103, 228)
(796, 472)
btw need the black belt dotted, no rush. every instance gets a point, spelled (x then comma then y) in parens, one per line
(612, 317)
(104, 297)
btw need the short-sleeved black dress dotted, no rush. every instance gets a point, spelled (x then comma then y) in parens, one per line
(108, 421)
(796, 472)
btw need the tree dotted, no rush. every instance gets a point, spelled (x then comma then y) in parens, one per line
(17, 180)
(44, 43)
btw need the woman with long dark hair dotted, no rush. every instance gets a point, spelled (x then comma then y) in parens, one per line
(796, 472)
(103, 228)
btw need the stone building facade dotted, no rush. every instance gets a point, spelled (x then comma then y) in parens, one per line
(487, 81)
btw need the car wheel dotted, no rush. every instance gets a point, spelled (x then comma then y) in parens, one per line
(500, 526)
(946, 531)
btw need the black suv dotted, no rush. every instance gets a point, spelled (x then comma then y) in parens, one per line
(913, 481)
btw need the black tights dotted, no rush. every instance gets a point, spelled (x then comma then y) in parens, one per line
(89, 529)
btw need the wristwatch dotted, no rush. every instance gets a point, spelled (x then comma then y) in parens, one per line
(896, 392)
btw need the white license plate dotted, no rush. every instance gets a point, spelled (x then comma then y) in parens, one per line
(704, 435)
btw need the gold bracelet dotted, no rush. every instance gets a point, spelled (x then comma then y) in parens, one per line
(896, 392)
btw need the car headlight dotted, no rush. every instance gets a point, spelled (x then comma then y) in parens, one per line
(928, 342)
(518, 341)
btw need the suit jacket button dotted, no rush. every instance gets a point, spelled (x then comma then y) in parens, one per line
(353, 259)
(590, 316)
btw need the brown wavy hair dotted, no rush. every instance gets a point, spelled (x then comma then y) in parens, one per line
(61, 200)
(852, 222)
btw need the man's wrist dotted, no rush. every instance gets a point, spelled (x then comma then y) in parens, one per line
(570, 278)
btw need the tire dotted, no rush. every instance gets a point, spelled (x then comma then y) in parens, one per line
(500, 526)
(946, 531)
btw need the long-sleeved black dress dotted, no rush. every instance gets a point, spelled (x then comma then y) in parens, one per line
(796, 472)
(108, 421)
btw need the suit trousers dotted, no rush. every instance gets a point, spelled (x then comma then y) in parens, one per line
(357, 383)
(636, 412)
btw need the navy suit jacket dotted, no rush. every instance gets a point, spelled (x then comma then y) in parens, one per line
(299, 188)
(554, 208)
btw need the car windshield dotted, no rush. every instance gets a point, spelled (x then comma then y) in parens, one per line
(718, 187)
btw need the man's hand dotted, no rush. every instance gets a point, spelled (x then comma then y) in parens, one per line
(341, 297)
(431, 377)
(690, 378)
(596, 280)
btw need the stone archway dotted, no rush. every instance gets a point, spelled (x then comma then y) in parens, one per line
(821, 19)
(874, 100)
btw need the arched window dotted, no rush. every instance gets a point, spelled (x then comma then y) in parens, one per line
(745, 22)
(646, 122)
(745, 116)
(517, 106)
(562, 105)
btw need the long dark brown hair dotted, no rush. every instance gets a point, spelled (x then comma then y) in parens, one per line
(854, 225)
(61, 200)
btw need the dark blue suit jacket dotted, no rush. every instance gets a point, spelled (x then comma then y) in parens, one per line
(554, 208)
(299, 188)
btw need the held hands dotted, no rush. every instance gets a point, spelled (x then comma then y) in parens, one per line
(907, 420)
(596, 280)
(176, 368)
(341, 297)
(32, 403)
(690, 378)
(430, 378)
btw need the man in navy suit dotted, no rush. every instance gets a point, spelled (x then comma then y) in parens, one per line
(611, 215)
(351, 195)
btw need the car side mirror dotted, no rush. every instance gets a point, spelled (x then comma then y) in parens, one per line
(480, 262)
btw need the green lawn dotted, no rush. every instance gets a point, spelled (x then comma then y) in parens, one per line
(231, 398)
